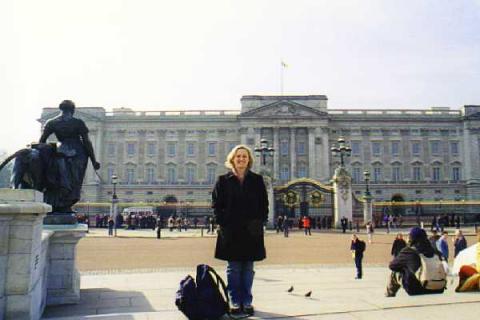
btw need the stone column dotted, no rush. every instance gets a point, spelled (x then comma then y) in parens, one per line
(276, 154)
(325, 167)
(63, 285)
(23, 261)
(293, 158)
(342, 184)
(367, 209)
(311, 153)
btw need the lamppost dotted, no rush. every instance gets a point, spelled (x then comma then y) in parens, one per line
(366, 176)
(263, 150)
(342, 149)
(114, 203)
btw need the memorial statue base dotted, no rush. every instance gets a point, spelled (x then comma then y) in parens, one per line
(60, 219)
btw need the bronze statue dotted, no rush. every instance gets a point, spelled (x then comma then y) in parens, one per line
(56, 169)
(70, 162)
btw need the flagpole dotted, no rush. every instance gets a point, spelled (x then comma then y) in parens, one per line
(281, 77)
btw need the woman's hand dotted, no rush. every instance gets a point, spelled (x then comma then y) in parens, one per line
(96, 165)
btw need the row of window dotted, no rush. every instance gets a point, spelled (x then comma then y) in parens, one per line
(191, 174)
(300, 148)
(436, 148)
(417, 174)
(151, 149)
(171, 175)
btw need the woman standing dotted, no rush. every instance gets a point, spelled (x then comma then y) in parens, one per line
(240, 204)
(398, 245)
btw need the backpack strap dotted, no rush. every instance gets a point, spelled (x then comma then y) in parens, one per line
(220, 282)
(225, 293)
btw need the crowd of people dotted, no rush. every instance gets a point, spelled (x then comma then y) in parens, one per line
(419, 265)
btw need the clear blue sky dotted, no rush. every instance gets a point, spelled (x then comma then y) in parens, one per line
(154, 55)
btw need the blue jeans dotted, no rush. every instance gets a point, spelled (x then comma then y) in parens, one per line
(240, 280)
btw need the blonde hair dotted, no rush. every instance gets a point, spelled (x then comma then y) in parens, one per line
(231, 155)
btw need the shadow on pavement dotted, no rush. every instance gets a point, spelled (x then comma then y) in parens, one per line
(99, 301)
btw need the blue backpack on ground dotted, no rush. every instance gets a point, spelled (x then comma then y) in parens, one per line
(207, 299)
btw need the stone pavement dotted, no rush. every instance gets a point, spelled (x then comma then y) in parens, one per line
(336, 295)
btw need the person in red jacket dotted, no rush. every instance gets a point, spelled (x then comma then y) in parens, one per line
(307, 226)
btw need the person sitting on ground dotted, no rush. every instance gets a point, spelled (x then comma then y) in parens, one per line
(398, 245)
(418, 267)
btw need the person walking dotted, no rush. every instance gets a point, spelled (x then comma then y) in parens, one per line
(398, 245)
(357, 247)
(110, 226)
(459, 242)
(370, 230)
(344, 223)
(442, 245)
(286, 226)
(240, 204)
(279, 225)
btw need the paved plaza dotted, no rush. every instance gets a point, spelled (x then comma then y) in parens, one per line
(144, 294)
(335, 295)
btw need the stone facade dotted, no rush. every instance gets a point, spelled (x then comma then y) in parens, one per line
(412, 154)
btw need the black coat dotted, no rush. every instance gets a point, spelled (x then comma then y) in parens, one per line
(407, 262)
(398, 245)
(240, 211)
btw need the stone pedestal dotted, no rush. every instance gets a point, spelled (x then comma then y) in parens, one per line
(367, 208)
(342, 185)
(63, 284)
(22, 254)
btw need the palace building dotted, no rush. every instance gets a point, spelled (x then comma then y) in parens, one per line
(412, 155)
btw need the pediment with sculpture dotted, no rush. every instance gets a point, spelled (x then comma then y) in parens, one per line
(284, 110)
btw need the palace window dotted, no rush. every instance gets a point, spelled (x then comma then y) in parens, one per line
(376, 148)
(171, 174)
(284, 148)
(151, 146)
(171, 149)
(395, 148)
(130, 174)
(356, 175)
(110, 172)
(436, 173)
(456, 174)
(454, 147)
(130, 148)
(150, 175)
(417, 173)
(301, 148)
(435, 147)
(356, 148)
(211, 174)
(111, 149)
(416, 148)
(191, 174)
(302, 172)
(377, 174)
(190, 149)
(285, 174)
(396, 176)
(212, 149)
